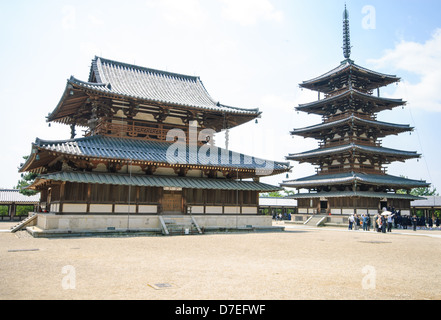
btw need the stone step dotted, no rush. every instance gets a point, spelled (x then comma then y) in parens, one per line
(23, 223)
(316, 221)
(180, 225)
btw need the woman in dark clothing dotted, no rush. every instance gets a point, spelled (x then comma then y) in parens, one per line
(414, 222)
(404, 222)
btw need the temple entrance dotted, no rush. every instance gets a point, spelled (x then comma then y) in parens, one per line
(172, 202)
(323, 206)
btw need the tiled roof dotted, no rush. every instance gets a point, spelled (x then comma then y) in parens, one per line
(157, 181)
(8, 196)
(348, 66)
(354, 147)
(429, 202)
(380, 102)
(130, 81)
(105, 147)
(350, 177)
(362, 194)
(355, 120)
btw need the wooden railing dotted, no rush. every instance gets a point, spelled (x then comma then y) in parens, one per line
(360, 169)
(327, 119)
(135, 130)
(342, 142)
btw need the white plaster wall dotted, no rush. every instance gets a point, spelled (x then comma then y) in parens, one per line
(232, 210)
(74, 208)
(249, 210)
(100, 208)
(147, 209)
(213, 209)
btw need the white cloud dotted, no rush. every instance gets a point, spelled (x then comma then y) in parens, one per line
(422, 60)
(69, 17)
(178, 11)
(95, 20)
(249, 12)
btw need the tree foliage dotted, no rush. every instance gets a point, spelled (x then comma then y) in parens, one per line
(420, 192)
(26, 180)
(278, 194)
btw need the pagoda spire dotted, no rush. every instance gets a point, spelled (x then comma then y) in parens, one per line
(346, 35)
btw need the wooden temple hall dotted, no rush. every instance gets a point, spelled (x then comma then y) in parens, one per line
(147, 155)
(350, 159)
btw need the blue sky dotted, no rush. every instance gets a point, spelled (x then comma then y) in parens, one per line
(248, 53)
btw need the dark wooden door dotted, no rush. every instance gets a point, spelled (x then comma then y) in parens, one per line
(172, 203)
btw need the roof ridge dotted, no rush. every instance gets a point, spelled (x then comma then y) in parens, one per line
(348, 64)
(98, 84)
(146, 69)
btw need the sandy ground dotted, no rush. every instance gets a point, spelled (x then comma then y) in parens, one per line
(300, 263)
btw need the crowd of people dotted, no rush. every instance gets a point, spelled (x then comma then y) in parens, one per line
(389, 218)
(281, 217)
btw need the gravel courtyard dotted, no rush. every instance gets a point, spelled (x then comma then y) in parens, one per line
(300, 263)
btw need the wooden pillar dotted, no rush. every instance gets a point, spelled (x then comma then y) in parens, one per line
(10, 211)
(89, 195)
(62, 196)
(138, 191)
(161, 200)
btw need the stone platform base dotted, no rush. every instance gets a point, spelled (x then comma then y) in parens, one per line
(48, 224)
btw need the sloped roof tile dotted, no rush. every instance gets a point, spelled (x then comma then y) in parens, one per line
(157, 181)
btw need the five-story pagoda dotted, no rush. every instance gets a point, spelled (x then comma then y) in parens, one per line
(351, 175)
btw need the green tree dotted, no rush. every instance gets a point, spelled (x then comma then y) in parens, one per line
(420, 192)
(278, 194)
(26, 180)
(275, 194)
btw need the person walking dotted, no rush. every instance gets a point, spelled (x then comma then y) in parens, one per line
(383, 224)
(414, 222)
(404, 222)
(351, 221)
(390, 219)
(437, 222)
(356, 222)
(365, 222)
(430, 222)
(379, 223)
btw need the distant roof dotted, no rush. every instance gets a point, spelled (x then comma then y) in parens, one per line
(379, 104)
(9, 196)
(387, 152)
(350, 177)
(354, 120)
(156, 181)
(362, 194)
(111, 148)
(348, 66)
(430, 201)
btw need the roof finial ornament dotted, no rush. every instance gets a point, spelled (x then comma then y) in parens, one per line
(346, 35)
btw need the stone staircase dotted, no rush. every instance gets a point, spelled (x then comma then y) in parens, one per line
(316, 221)
(179, 225)
(24, 223)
